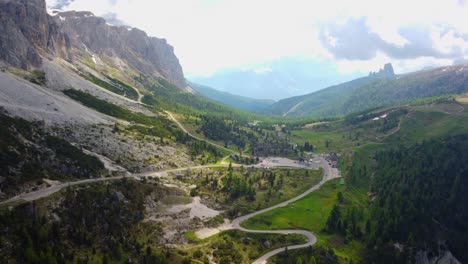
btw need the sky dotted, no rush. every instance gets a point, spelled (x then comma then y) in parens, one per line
(356, 36)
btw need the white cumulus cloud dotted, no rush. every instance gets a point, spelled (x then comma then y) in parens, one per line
(209, 35)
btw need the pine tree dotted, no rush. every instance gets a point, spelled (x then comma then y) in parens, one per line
(312, 260)
(299, 260)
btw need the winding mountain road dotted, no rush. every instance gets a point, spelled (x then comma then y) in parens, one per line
(329, 173)
(31, 196)
(35, 195)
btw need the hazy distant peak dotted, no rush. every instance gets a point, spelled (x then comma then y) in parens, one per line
(386, 72)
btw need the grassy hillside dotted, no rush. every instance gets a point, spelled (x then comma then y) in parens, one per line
(315, 103)
(370, 92)
(430, 118)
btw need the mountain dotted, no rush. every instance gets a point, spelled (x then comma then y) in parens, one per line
(386, 72)
(241, 102)
(376, 90)
(92, 36)
(82, 80)
(107, 155)
(30, 34)
(275, 80)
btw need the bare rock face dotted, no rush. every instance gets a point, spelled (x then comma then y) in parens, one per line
(29, 32)
(386, 72)
(149, 55)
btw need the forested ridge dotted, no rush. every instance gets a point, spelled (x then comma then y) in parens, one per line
(421, 199)
(370, 92)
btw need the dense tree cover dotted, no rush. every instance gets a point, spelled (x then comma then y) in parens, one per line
(421, 199)
(99, 224)
(253, 140)
(238, 186)
(246, 160)
(206, 153)
(311, 255)
(346, 221)
(418, 201)
(27, 153)
(225, 130)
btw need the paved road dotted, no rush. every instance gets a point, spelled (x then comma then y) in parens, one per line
(329, 173)
(31, 196)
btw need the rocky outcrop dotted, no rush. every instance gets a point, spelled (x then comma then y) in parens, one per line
(29, 32)
(149, 55)
(386, 72)
(445, 257)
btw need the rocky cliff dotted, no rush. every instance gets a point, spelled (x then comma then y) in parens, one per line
(29, 34)
(386, 72)
(149, 55)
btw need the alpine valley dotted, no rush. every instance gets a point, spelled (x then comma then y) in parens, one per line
(109, 155)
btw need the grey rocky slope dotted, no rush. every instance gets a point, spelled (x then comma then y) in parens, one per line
(43, 55)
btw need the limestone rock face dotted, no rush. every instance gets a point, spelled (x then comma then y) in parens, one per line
(30, 34)
(149, 55)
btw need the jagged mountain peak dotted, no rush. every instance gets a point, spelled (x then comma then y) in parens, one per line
(386, 72)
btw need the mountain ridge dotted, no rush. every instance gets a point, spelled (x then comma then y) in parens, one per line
(376, 90)
(238, 101)
(149, 55)
(31, 35)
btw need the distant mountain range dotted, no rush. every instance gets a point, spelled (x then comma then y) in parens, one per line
(376, 90)
(241, 102)
(279, 79)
